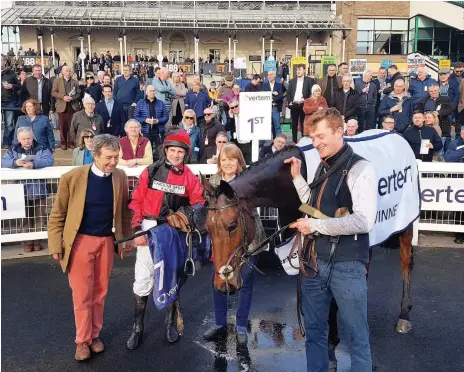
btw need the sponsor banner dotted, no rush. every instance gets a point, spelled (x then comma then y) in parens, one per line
(13, 204)
(442, 194)
(255, 116)
(358, 66)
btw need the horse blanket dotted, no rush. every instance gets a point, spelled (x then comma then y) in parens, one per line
(169, 252)
(398, 202)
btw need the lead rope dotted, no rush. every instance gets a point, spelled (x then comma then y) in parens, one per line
(299, 305)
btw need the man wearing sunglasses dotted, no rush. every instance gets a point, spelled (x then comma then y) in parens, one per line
(208, 132)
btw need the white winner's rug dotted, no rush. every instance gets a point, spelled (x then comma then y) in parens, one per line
(398, 203)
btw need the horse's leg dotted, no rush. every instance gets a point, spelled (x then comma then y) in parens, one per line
(180, 318)
(404, 325)
(334, 340)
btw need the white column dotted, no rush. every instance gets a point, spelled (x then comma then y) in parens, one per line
(307, 54)
(343, 50)
(125, 48)
(90, 47)
(330, 44)
(296, 47)
(120, 51)
(42, 54)
(235, 49)
(197, 56)
(82, 60)
(160, 46)
(53, 49)
(270, 48)
(230, 64)
(262, 56)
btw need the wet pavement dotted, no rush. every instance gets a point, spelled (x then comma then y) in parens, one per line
(38, 322)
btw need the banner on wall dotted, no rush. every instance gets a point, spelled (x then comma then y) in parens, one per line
(358, 66)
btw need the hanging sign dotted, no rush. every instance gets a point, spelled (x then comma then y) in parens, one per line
(269, 65)
(358, 66)
(386, 63)
(415, 61)
(13, 204)
(326, 61)
(240, 63)
(255, 122)
(444, 63)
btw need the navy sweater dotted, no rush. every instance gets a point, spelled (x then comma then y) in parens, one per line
(98, 209)
(127, 91)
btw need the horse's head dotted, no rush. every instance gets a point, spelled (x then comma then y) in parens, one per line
(232, 228)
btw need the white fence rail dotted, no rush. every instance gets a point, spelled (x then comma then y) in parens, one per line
(442, 193)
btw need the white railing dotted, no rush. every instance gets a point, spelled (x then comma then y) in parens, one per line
(442, 190)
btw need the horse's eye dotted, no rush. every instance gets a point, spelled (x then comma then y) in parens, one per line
(232, 227)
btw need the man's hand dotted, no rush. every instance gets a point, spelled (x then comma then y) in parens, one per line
(128, 246)
(131, 163)
(28, 165)
(295, 166)
(67, 98)
(57, 256)
(141, 241)
(134, 104)
(8, 86)
(430, 146)
(396, 108)
(149, 121)
(20, 163)
(302, 224)
(365, 90)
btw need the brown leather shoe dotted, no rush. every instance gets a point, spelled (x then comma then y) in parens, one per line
(82, 351)
(97, 346)
(71, 146)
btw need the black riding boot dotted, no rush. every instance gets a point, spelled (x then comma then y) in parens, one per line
(172, 335)
(137, 330)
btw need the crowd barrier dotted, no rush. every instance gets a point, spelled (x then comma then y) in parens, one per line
(442, 195)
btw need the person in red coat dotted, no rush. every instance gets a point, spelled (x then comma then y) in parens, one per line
(312, 104)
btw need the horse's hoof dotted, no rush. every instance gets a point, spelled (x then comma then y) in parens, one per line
(332, 366)
(403, 326)
(171, 333)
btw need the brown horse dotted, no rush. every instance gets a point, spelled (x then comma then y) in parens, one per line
(231, 227)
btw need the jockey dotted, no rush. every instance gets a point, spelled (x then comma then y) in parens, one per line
(336, 268)
(162, 189)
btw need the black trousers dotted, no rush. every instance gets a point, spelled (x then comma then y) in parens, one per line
(297, 114)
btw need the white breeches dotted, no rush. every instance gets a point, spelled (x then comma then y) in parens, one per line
(144, 267)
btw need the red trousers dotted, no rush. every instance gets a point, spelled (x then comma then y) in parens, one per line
(65, 118)
(89, 270)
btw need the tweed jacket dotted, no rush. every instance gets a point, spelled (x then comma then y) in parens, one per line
(66, 216)
(58, 91)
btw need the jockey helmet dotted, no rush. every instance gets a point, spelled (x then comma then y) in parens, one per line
(177, 138)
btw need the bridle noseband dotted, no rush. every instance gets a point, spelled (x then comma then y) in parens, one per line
(244, 241)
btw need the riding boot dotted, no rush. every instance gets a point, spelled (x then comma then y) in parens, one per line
(172, 335)
(137, 330)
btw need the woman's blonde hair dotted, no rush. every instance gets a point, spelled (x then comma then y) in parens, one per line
(84, 132)
(231, 151)
(191, 113)
(436, 120)
(174, 75)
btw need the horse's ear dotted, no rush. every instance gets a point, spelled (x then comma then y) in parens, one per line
(226, 189)
(209, 189)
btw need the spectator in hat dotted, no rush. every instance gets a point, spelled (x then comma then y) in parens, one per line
(448, 88)
(312, 104)
(418, 87)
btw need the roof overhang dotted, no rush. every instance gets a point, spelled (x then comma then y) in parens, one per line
(315, 17)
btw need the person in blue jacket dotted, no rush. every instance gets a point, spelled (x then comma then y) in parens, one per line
(189, 124)
(455, 154)
(197, 100)
(277, 100)
(448, 87)
(127, 91)
(397, 104)
(112, 113)
(418, 87)
(35, 190)
(153, 115)
(367, 102)
(40, 124)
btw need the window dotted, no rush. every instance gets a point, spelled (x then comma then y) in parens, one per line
(10, 40)
(433, 38)
(214, 56)
(382, 36)
(267, 53)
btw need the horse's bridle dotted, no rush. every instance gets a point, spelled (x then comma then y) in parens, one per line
(244, 241)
